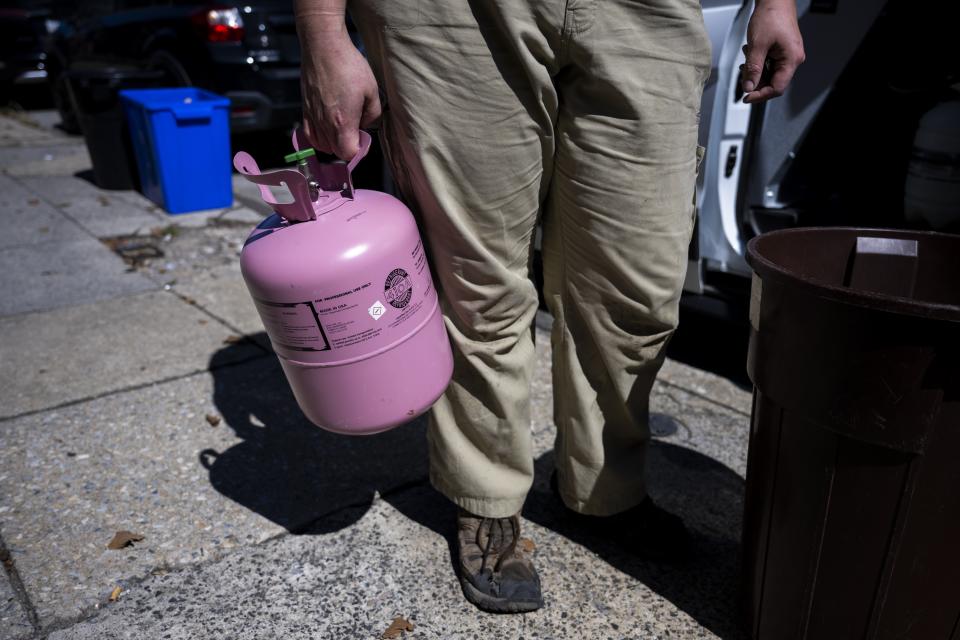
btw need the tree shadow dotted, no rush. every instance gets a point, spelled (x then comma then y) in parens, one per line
(87, 175)
(311, 482)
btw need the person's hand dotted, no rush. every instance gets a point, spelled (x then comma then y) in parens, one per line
(339, 93)
(774, 50)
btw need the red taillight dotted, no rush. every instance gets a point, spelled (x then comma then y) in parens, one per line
(220, 24)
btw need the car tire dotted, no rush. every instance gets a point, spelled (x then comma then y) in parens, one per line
(64, 105)
(173, 71)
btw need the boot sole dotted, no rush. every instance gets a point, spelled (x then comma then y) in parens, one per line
(491, 604)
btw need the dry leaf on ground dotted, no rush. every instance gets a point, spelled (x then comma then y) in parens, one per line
(115, 594)
(232, 339)
(213, 420)
(527, 545)
(123, 539)
(397, 627)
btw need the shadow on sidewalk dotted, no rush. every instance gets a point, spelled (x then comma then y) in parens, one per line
(290, 471)
(304, 479)
(708, 496)
(717, 345)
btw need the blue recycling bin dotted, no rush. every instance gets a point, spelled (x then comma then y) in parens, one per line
(181, 139)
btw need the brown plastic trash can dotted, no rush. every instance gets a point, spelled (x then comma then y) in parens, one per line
(852, 513)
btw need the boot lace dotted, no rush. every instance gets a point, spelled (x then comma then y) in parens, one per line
(497, 529)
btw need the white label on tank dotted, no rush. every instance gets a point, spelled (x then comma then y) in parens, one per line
(377, 311)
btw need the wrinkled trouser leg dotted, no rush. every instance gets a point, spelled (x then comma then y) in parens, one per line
(618, 224)
(586, 111)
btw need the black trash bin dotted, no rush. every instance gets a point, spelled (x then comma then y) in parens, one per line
(93, 90)
(852, 515)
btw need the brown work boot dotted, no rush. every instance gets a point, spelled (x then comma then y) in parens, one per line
(495, 573)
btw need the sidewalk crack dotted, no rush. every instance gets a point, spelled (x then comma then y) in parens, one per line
(702, 396)
(92, 611)
(19, 590)
(135, 387)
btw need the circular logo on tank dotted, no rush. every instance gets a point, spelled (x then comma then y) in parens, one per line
(398, 289)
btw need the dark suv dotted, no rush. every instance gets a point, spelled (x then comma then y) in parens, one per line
(22, 32)
(247, 52)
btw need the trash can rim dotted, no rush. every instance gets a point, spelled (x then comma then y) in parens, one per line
(878, 301)
(160, 99)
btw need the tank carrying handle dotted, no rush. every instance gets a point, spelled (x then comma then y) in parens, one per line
(300, 210)
(331, 176)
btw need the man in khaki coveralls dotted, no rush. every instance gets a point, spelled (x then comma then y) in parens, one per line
(578, 114)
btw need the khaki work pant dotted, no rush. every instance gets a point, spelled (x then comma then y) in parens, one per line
(580, 115)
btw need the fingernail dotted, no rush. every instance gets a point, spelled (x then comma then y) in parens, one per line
(748, 85)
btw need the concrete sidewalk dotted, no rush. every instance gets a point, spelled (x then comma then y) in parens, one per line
(124, 329)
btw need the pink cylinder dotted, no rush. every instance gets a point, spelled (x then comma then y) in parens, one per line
(350, 307)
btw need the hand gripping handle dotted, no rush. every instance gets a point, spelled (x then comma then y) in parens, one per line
(333, 176)
(334, 180)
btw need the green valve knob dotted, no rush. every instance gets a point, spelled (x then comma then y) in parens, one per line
(299, 156)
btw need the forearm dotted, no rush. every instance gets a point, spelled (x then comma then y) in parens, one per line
(337, 85)
(319, 18)
(776, 4)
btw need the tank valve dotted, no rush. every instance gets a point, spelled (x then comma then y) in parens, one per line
(303, 166)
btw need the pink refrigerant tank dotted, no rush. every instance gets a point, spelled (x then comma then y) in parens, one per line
(341, 282)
